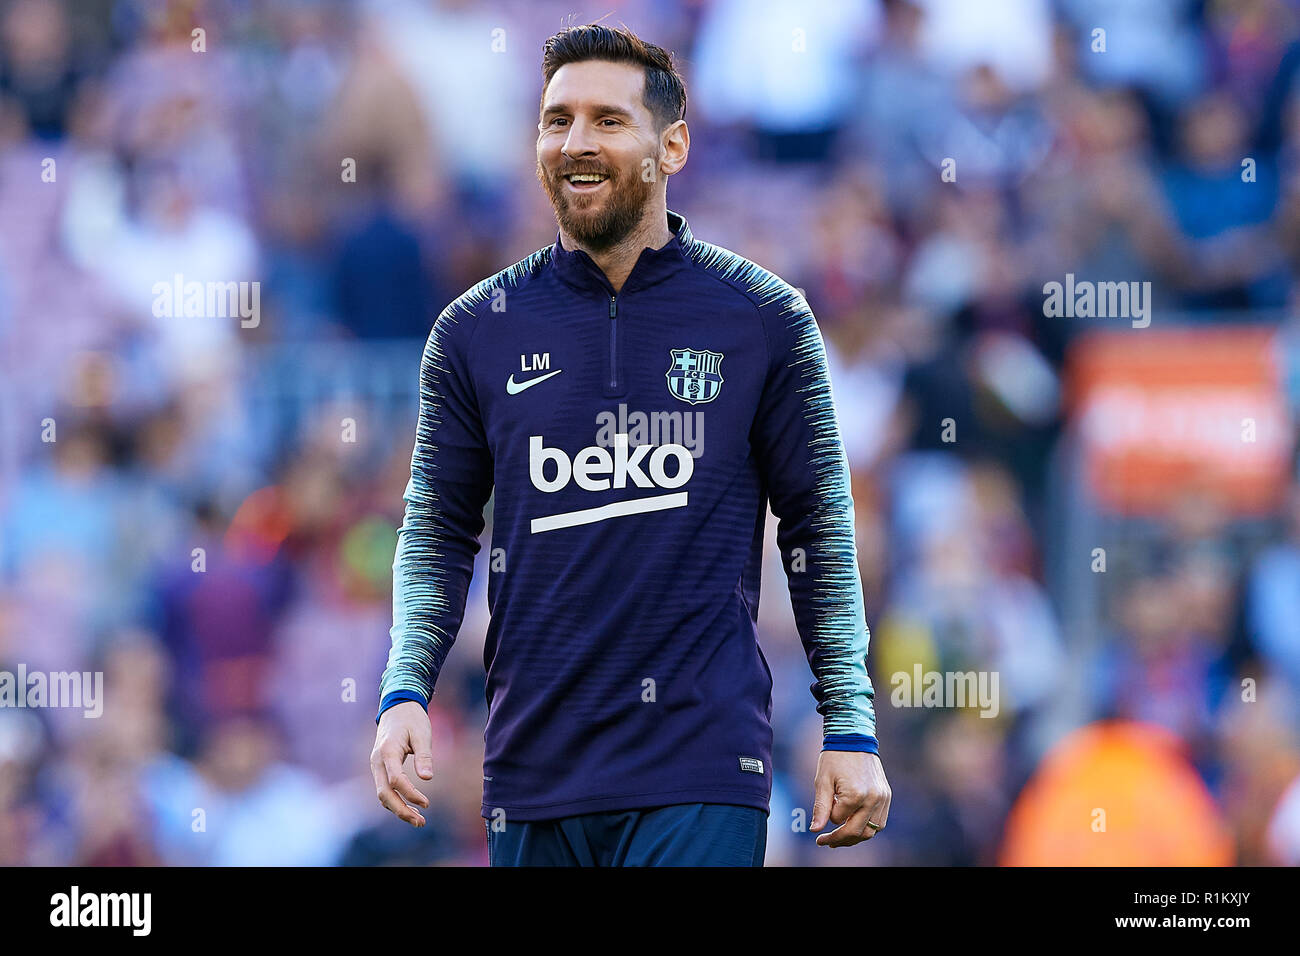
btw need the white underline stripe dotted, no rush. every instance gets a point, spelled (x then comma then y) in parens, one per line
(615, 510)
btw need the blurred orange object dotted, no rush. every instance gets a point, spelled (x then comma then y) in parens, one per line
(1171, 409)
(1116, 793)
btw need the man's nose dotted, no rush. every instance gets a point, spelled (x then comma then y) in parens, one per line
(579, 142)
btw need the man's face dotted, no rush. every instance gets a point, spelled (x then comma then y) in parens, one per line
(595, 127)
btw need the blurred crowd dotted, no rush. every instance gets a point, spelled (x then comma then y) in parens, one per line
(208, 530)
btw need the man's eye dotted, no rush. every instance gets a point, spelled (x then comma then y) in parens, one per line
(557, 120)
(609, 122)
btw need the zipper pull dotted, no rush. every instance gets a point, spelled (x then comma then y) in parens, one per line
(613, 305)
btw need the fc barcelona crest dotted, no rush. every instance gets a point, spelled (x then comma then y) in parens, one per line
(694, 377)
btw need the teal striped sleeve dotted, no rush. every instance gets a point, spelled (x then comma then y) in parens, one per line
(806, 473)
(451, 481)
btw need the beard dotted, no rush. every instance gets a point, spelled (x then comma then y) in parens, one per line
(598, 224)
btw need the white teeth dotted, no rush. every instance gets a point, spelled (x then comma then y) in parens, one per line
(586, 178)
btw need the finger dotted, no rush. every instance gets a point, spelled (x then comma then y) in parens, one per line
(884, 808)
(409, 791)
(879, 798)
(394, 804)
(877, 813)
(388, 797)
(880, 810)
(378, 773)
(399, 781)
(422, 744)
(848, 801)
(842, 835)
(823, 798)
(849, 833)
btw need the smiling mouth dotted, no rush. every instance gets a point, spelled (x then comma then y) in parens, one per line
(585, 182)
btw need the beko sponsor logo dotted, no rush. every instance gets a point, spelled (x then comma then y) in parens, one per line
(596, 469)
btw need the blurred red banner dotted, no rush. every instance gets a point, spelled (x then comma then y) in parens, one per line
(1162, 412)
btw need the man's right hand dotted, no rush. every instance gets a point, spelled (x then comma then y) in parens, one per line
(403, 729)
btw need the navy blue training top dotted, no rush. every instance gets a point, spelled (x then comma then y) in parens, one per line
(633, 443)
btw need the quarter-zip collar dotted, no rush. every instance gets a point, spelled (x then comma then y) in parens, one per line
(579, 270)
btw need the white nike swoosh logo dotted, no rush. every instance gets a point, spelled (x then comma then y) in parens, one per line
(514, 388)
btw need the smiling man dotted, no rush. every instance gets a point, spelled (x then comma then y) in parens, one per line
(629, 702)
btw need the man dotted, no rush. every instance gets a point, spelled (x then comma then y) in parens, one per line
(629, 701)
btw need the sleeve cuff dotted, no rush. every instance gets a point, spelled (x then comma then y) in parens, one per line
(397, 696)
(857, 743)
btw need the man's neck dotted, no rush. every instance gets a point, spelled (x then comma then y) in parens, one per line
(618, 260)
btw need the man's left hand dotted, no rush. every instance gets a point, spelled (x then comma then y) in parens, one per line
(850, 790)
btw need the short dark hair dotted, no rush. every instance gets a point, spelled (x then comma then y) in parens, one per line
(665, 92)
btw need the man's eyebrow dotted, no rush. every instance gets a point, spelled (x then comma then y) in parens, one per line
(601, 109)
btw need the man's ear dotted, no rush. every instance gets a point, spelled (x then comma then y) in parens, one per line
(676, 144)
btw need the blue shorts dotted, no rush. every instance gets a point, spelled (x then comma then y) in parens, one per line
(687, 834)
